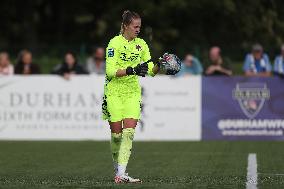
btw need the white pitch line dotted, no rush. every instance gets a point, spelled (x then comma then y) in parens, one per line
(251, 172)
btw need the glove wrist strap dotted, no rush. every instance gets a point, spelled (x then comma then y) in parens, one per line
(130, 71)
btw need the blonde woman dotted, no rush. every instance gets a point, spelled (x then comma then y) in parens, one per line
(126, 57)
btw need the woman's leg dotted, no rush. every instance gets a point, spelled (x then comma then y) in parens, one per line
(126, 144)
(116, 136)
(129, 123)
(116, 127)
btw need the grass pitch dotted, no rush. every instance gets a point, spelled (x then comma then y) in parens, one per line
(159, 164)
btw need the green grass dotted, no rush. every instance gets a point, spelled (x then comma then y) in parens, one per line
(158, 164)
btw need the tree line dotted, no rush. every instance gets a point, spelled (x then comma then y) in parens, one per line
(178, 26)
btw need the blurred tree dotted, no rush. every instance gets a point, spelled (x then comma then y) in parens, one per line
(178, 26)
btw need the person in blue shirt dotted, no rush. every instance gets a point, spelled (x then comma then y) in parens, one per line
(278, 67)
(257, 62)
(191, 66)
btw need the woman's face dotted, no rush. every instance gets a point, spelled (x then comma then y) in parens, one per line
(188, 60)
(133, 29)
(69, 59)
(4, 60)
(27, 58)
(99, 54)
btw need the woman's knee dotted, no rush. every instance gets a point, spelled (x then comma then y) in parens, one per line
(129, 123)
(116, 127)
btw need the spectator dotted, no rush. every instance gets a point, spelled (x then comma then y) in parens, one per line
(278, 67)
(96, 63)
(25, 64)
(257, 63)
(217, 65)
(6, 68)
(190, 66)
(70, 66)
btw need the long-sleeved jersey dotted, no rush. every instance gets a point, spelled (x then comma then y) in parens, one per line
(120, 54)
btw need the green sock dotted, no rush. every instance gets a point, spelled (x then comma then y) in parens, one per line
(126, 146)
(115, 146)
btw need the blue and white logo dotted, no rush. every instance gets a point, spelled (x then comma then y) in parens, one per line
(110, 52)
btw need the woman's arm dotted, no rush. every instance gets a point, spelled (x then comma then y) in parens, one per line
(121, 73)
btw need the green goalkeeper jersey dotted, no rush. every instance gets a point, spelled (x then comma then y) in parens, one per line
(121, 54)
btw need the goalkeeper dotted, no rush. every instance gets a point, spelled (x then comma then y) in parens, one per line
(125, 55)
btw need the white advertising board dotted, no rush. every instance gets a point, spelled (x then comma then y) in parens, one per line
(51, 108)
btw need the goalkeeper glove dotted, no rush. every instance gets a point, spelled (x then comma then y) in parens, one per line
(140, 70)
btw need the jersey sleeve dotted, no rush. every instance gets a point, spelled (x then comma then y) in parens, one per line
(112, 56)
(247, 63)
(145, 57)
(268, 64)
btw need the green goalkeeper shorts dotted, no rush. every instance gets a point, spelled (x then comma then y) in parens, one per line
(116, 108)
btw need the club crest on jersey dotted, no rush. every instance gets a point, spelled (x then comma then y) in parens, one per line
(251, 97)
(110, 52)
(138, 47)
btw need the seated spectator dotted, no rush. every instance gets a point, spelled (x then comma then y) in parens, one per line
(96, 63)
(190, 66)
(257, 63)
(6, 68)
(217, 65)
(278, 66)
(70, 66)
(25, 64)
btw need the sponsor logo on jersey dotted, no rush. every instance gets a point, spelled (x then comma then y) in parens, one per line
(130, 57)
(110, 52)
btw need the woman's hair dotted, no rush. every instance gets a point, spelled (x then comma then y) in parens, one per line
(22, 53)
(72, 54)
(127, 18)
(3, 53)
